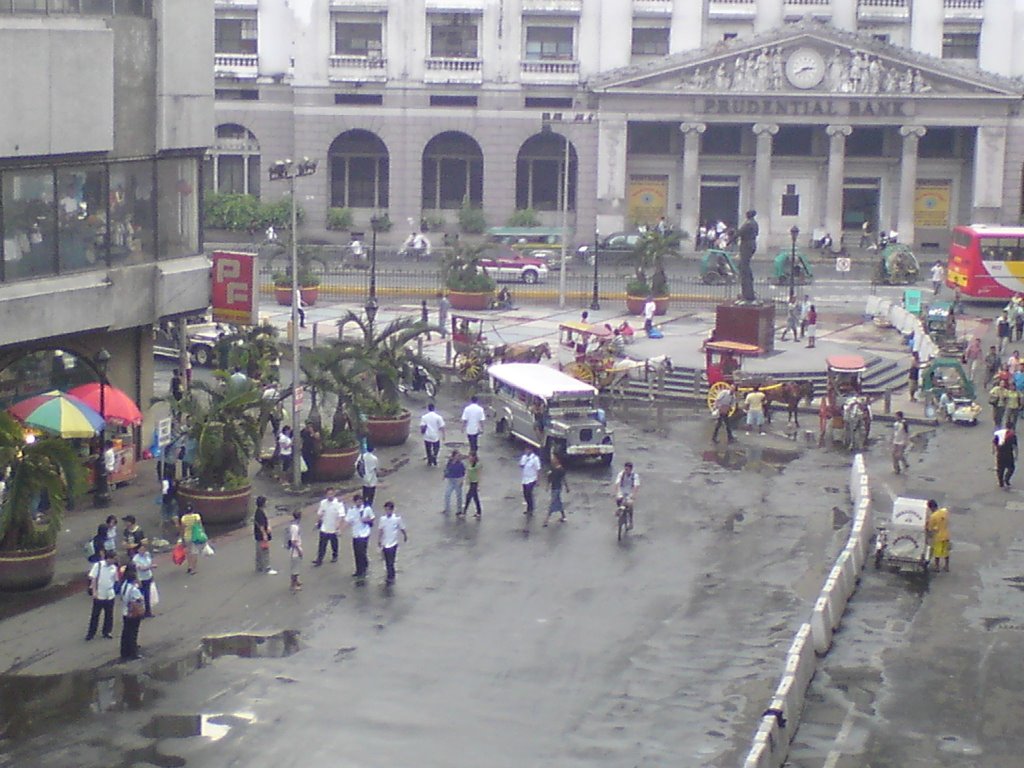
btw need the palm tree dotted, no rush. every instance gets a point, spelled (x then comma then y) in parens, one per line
(224, 422)
(380, 359)
(651, 251)
(331, 369)
(255, 350)
(461, 271)
(48, 466)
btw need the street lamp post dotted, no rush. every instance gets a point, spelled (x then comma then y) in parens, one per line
(102, 496)
(794, 233)
(289, 170)
(375, 222)
(594, 300)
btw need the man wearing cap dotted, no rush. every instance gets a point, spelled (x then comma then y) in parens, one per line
(133, 535)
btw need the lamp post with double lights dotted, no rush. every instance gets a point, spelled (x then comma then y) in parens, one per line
(280, 171)
(102, 496)
(594, 300)
(794, 233)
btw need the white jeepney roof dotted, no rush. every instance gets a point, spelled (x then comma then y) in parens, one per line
(538, 380)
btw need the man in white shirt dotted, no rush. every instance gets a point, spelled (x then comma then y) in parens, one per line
(328, 517)
(529, 462)
(387, 539)
(102, 578)
(473, 417)
(627, 483)
(938, 277)
(360, 519)
(432, 429)
(367, 469)
(284, 450)
(649, 309)
(300, 308)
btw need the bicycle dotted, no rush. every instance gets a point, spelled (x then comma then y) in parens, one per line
(624, 514)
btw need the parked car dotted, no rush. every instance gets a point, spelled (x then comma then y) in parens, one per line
(617, 245)
(509, 266)
(202, 342)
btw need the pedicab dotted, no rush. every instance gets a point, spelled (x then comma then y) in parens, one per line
(845, 415)
(945, 381)
(472, 352)
(717, 267)
(940, 325)
(585, 352)
(781, 268)
(897, 265)
(902, 543)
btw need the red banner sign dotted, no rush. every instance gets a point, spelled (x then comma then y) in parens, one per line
(234, 291)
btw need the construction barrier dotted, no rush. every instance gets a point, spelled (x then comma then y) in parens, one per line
(778, 724)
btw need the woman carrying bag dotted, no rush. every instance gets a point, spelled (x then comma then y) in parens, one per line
(261, 533)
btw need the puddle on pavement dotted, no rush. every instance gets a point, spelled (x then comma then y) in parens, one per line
(752, 458)
(213, 727)
(252, 646)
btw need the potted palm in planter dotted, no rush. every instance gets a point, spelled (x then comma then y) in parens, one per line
(31, 469)
(309, 287)
(224, 423)
(469, 286)
(255, 350)
(650, 278)
(380, 360)
(329, 370)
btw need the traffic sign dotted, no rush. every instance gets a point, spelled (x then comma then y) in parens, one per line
(163, 431)
(843, 264)
(300, 396)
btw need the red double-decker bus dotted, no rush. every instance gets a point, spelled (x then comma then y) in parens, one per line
(986, 261)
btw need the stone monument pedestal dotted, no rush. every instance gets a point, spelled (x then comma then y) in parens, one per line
(747, 323)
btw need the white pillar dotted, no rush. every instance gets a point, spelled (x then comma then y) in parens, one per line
(763, 177)
(926, 21)
(274, 39)
(611, 173)
(844, 14)
(834, 186)
(687, 31)
(999, 33)
(908, 181)
(989, 168)
(688, 220)
(312, 49)
(768, 15)
(612, 25)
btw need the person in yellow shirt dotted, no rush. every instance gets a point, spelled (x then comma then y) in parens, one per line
(1013, 403)
(186, 527)
(754, 405)
(938, 532)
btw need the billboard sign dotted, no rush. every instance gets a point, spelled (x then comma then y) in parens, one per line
(235, 295)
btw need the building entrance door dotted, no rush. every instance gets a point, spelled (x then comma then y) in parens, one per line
(860, 204)
(720, 199)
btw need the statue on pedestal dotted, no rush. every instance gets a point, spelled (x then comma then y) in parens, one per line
(748, 245)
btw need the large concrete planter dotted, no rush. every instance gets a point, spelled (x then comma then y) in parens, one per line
(473, 302)
(388, 431)
(24, 569)
(335, 464)
(635, 304)
(217, 508)
(284, 295)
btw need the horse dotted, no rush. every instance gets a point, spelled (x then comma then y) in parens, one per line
(523, 353)
(789, 393)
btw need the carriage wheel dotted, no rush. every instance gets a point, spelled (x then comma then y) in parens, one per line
(581, 371)
(713, 393)
(470, 368)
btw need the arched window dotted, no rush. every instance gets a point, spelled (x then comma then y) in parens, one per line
(453, 170)
(233, 163)
(539, 173)
(359, 171)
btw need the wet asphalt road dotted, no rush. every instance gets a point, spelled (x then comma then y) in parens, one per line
(508, 644)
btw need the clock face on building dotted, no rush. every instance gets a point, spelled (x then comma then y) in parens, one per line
(805, 68)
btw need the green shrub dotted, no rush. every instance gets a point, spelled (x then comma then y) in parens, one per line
(471, 219)
(524, 217)
(339, 218)
(384, 223)
(278, 214)
(230, 211)
(435, 222)
(462, 272)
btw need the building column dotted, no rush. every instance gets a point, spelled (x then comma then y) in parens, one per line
(844, 14)
(763, 177)
(611, 173)
(688, 220)
(927, 18)
(908, 181)
(768, 14)
(834, 186)
(687, 31)
(988, 204)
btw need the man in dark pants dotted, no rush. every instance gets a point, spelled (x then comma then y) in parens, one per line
(360, 520)
(387, 538)
(725, 404)
(529, 462)
(132, 599)
(1004, 446)
(329, 517)
(102, 578)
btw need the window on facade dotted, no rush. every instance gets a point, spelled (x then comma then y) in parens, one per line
(881, 37)
(358, 39)
(650, 41)
(649, 138)
(721, 140)
(359, 171)
(960, 45)
(177, 196)
(236, 94)
(546, 43)
(865, 142)
(793, 140)
(235, 36)
(29, 217)
(453, 171)
(131, 211)
(81, 218)
(539, 173)
(234, 162)
(449, 40)
(937, 142)
(726, 36)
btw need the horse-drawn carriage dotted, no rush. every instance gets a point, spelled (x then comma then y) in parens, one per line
(595, 354)
(845, 414)
(473, 352)
(723, 363)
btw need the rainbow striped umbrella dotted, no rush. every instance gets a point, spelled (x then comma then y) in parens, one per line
(59, 413)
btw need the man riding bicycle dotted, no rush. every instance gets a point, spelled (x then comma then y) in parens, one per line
(626, 485)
